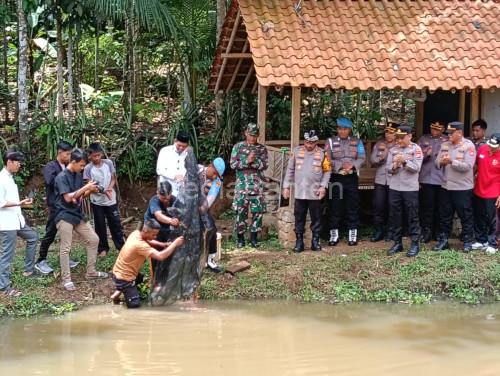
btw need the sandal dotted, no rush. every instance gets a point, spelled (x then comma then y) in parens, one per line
(12, 293)
(97, 275)
(69, 286)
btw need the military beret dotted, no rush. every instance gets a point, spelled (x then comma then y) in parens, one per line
(403, 130)
(344, 122)
(311, 136)
(455, 126)
(391, 127)
(494, 140)
(253, 129)
(437, 125)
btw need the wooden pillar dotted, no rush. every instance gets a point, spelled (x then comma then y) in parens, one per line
(261, 112)
(461, 106)
(295, 133)
(295, 127)
(474, 105)
(419, 119)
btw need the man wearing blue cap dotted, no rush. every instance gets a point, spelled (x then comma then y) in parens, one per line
(211, 184)
(346, 154)
(457, 158)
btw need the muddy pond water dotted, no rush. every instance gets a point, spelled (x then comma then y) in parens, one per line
(257, 338)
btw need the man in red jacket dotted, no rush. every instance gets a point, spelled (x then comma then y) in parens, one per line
(487, 195)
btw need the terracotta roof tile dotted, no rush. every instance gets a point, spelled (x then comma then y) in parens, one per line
(372, 44)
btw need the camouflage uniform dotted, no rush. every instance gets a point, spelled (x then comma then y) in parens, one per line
(249, 189)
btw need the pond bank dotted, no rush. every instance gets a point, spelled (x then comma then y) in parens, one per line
(335, 275)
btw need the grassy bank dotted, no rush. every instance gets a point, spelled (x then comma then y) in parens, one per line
(338, 275)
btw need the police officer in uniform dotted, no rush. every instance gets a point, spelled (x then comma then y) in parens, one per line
(378, 159)
(431, 179)
(457, 158)
(403, 165)
(346, 154)
(309, 172)
(250, 160)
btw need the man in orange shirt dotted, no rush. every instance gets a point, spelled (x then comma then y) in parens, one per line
(140, 246)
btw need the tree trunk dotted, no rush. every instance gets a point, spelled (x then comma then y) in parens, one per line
(71, 95)
(5, 68)
(221, 15)
(96, 54)
(60, 73)
(22, 71)
(132, 29)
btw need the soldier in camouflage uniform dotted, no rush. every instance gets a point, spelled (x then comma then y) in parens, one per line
(309, 172)
(381, 192)
(431, 179)
(249, 159)
(346, 154)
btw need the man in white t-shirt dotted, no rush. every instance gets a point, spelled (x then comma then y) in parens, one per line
(103, 202)
(171, 162)
(13, 224)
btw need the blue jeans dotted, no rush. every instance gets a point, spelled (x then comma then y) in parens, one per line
(8, 241)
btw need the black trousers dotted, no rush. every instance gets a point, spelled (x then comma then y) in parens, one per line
(129, 290)
(343, 195)
(50, 235)
(461, 202)
(485, 220)
(209, 224)
(380, 207)
(429, 204)
(400, 203)
(111, 215)
(300, 212)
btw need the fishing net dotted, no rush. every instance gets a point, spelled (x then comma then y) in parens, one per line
(179, 276)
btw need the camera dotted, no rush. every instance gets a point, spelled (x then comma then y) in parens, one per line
(100, 188)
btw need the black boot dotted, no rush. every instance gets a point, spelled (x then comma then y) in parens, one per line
(414, 249)
(353, 237)
(315, 244)
(442, 243)
(299, 243)
(396, 248)
(378, 235)
(253, 240)
(426, 235)
(241, 240)
(388, 236)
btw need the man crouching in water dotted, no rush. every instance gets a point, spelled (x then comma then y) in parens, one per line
(140, 245)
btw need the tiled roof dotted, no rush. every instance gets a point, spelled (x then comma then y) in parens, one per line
(369, 44)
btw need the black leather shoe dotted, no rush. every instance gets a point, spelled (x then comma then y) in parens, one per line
(299, 243)
(414, 249)
(241, 240)
(377, 236)
(331, 244)
(253, 240)
(426, 235)
(396, 248)
(388, 236)
(442, 244)
(352, 243)
(315, 244)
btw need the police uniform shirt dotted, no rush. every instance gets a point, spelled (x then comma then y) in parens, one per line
(378, 159)
(308, 171)
(459, 174)
(405, 177)
(349, 149)
(429, 173)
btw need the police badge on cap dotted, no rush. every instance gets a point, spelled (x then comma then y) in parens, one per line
(311, 136)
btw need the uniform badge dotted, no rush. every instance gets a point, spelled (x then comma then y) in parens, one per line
(472, 149)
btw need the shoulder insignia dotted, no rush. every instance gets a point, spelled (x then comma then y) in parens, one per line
(472, 149)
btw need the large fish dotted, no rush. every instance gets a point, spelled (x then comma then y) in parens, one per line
(179, 276)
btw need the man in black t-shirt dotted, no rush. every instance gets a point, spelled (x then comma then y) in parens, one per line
(157, 210)
(69, 217)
